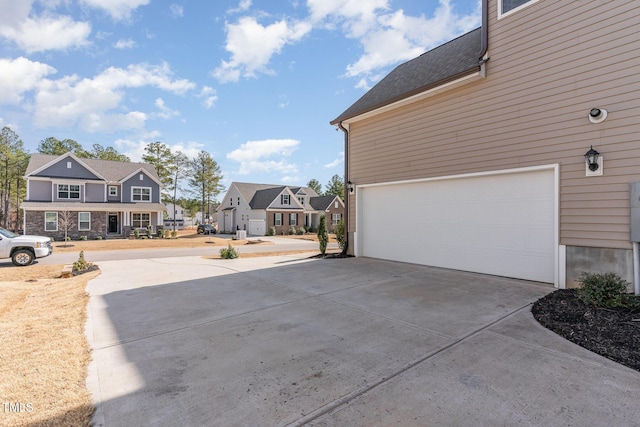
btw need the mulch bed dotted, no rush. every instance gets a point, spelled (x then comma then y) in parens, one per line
(610, 332)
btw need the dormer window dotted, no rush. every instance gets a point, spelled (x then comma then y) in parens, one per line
(301, 200)
(113, 191)
(68, 165)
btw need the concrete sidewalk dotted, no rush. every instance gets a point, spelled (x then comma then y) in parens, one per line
(291, 341)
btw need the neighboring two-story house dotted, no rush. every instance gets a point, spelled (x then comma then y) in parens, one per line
(258, 208)
(96, 197)
(477, 147)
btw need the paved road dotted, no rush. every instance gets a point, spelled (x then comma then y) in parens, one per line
(288, 340)
(280, 244)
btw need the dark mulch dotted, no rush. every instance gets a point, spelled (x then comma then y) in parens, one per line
(92, 267)
(609, 332)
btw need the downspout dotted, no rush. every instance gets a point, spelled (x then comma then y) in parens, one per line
(346, 192)
(484, 32)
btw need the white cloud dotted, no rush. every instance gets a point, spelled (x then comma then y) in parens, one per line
(117, 9)
(91, 102)
(125, 44)
(265, 156)
(243, 6)
(177, 11)
(336, 162)
(20, 75)
(134, 148)
(209, 96)
(252, 45)
(47, 31)
(165, 112)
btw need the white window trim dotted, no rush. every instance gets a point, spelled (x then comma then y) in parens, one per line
(284, 197)
(133, 214)
(275, 220)
(89, 221)
(142, 188)
(68, 192)
(45, 221)
(514, 10)
(293, 216)
(113, 187)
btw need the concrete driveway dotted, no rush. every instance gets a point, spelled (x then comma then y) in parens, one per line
(288, 340)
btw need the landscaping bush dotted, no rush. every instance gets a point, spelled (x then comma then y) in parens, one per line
(167, 234)
(81, 264)
(83, 238)
(292, 231)
(301, 231)
(323, 235)
(98, 237)
(229, 253)
(272, 231)
(136, 233)
(603, 290)
(341, 235)
(174, 234)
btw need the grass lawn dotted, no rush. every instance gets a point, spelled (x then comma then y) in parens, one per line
(44, 353)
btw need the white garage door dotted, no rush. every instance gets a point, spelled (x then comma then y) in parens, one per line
(257, 227)
(502, 224)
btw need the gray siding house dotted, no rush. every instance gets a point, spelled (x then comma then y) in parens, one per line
(478, 147)
(97, 197)
(259, 207)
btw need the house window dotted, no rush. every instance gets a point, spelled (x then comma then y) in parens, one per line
(68, 191)
(68, 165)
(238, 201)
(84, 221)
(231, 201)
(141, 220)
(141, 177)
(51, 221)
(284, 199)
(277, 219)
(301, 200)
(335, 218)
(113, 190)
(141, 194)
(293, 219)
(508, 6)
(336, 205)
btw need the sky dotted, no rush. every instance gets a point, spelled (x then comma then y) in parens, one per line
(254, 83)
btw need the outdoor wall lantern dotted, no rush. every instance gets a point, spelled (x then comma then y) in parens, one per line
(593, 161)
(350, 186)
(597, 115)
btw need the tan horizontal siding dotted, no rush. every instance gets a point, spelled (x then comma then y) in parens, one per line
(549, 65)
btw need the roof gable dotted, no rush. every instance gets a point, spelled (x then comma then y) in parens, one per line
(107, 170)
(445, 63)
(322, 203)
(67, 165)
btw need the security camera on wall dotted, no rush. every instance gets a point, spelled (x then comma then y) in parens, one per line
(597, 115)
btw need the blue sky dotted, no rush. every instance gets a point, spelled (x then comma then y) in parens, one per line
(253, 82)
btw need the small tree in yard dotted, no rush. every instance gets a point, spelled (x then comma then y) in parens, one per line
(66, 223)
(323, 235)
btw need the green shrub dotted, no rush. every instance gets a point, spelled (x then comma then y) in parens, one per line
(81, 264)
(67, 239)
(136, 233)
(272, 231)
(323, 235)
(301, 231)
(229, 253)
(292, 231)
(98, 237)
(603, 290)
(83, 238)
(167, 234)
(174, 234)
(341, 235)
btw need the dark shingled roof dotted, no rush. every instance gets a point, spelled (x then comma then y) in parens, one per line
(440, 65)
(321, 203)
(263, 198)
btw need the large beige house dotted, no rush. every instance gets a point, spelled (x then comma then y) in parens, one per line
(477, 147)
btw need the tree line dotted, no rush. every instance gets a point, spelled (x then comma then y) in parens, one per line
(335, 187)
(199, 177)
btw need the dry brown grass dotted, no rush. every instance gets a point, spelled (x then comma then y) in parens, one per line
(44, 353)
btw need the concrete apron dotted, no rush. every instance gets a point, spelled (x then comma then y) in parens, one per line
(290, 341)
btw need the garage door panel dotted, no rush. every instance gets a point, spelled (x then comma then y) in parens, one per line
(496, 224)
